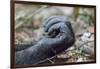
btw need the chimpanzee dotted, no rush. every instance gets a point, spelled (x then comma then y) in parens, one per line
(60, 37)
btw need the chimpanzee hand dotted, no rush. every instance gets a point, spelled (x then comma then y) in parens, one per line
(55, 20)
(60, 37)
(60, 33)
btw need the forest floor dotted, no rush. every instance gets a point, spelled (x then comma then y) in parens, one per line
(28, 24)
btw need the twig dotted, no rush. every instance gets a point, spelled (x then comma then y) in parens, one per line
(50, 61)
(85, 43)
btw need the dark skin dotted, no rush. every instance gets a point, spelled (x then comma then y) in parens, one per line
(59, 38)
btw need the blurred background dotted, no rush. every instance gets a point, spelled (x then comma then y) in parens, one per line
(29, 20)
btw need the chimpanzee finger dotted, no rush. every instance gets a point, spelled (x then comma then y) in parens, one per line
(54, 20)
(58, 28)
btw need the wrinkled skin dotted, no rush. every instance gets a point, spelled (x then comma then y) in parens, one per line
(60, 37)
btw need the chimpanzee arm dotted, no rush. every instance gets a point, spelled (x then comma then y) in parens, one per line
(45, 47)
(19, 47)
